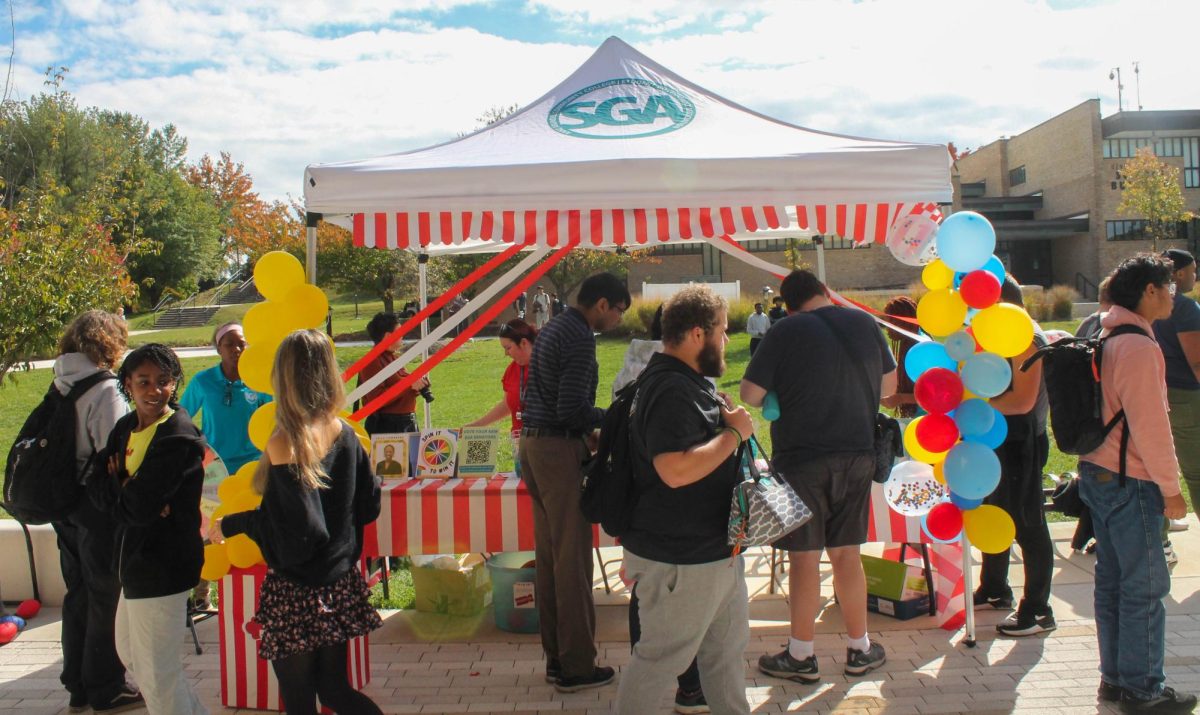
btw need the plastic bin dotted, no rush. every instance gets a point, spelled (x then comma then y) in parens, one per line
(513, 592)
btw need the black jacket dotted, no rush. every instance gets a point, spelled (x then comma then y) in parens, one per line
(157, 555)
(314, 536)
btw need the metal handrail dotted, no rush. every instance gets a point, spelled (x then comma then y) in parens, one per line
(1086, 287)
(217, 292)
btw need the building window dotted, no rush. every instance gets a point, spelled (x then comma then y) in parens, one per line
(678, 249)
(1135, 230)
(1191, 162)
(1016, 176)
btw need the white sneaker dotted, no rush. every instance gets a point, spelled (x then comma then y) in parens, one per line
(1172, 557)
(1179, 524)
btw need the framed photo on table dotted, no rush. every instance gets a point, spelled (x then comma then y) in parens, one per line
(391, 455)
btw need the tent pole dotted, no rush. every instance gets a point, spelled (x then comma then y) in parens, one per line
(310, 245)
(968, 591)
(423, 289)
(819, 242)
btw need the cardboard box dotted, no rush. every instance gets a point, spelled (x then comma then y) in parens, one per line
(902, 610)
(894, 580)
(465, 591)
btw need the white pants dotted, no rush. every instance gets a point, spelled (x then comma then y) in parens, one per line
(150, 634)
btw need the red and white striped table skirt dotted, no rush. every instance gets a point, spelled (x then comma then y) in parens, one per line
(447, 516)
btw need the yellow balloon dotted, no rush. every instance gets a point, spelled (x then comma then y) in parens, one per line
(266, 324)
(1004, 329)
(354, 424)
(937, 275)
(915, 450)
(216, 562)
(255, 367)
(247, 470)
(230, 487)
(308, 306)
(989, 528)
(276, 274)
(243, 552)
(941, 312)
(939, 472)
(262, 424)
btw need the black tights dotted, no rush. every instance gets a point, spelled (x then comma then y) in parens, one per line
(320, 674)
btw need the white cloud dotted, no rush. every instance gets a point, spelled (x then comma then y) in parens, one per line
(282, 85)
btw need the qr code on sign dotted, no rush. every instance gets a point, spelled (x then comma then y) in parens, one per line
(479, 451)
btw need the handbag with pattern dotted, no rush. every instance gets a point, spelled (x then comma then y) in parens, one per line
(764, 508)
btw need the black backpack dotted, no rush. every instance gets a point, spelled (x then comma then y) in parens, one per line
(41, 478)
(609, 492)
(1071, 370)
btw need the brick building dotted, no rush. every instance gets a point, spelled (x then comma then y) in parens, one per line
(1051, 192)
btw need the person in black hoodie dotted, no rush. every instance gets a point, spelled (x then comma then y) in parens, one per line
(318, 494)
(149, 481)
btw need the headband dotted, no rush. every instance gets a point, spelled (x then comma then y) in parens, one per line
(223, 330)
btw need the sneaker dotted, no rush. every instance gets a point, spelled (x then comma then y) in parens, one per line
(688, 703)
(553, 671)
(783, 665)
(78, 703)
(1000, 603)
(1024, 624)
(860, 663)
(127, 699)
(1169, 553)
(1168, 701)
(1179, 525)
(600, 675)
(1109, 693)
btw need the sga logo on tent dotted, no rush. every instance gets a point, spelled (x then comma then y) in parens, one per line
(624, 108)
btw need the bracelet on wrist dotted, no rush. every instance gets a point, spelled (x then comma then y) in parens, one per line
(736, 434)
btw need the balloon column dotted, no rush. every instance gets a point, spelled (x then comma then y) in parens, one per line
(954, 441)
(291, 304)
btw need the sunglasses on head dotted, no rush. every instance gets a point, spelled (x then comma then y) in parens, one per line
(508, 331)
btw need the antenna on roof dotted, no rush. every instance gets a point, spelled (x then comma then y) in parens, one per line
(1115, 73)
(1137, 74)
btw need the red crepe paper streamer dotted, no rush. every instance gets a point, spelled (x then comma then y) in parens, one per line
(485, 318)
(430, 309)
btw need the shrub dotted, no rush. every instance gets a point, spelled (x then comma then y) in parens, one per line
(637, 320)
(1062, 299)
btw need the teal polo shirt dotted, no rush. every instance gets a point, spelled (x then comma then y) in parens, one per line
(224, 425)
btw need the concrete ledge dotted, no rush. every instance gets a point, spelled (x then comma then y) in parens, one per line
(15, 581)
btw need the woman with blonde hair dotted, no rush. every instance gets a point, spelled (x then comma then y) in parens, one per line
(89, 350)
(318, 494)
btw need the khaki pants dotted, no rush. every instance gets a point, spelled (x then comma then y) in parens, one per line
(550, 468)
(149, 634)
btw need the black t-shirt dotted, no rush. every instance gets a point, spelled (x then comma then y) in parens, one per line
(676, 409)
(823, 406)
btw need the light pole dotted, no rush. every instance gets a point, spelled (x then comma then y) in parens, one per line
(1115, 73)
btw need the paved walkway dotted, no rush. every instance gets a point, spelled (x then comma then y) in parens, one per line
(928, 670)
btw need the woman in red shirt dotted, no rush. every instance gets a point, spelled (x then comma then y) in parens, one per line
(399, 414)
(516, 338)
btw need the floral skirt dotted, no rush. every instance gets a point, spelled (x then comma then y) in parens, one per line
(296, 618)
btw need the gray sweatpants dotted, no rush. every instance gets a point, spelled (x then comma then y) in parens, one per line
(695, 611)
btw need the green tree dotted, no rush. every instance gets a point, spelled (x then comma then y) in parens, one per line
(1153, 193)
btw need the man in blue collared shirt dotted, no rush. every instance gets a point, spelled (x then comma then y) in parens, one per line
(560, 411)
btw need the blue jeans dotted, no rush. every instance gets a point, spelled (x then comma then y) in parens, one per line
(1131, 578)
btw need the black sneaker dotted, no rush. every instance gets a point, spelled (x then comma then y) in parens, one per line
(600, 675)
(1025, 624)
(1109, 693)
(127, 699)
(783, 665)
(861, 663)
(1168, 701)
(78, 703)
(1000, 603)
(553, 671)
(689, 703)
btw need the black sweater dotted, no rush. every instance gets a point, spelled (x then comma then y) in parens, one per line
(157, 555)
(314, 536)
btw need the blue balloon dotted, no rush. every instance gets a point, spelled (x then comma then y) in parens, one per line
(965, 241)
(995, 436)
(960, 345)
(974, 417)
(964, 503)
(15, 620)
(770, 407)
(995, 266)
(934, 539)
(972, 470)
(923, 356)
(986, 374)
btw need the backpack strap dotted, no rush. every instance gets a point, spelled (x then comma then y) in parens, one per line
(1119, 417)
(80, 388)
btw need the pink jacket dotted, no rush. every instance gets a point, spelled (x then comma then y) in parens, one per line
(1133, 376)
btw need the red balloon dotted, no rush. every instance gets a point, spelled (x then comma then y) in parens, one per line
(937, 433)
(938, 390)
(944, 521)
(28, 608)
(979, 289)
(8, 631)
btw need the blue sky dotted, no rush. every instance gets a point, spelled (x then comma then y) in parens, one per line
(283, 84)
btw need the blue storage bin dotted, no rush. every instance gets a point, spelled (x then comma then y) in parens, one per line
(513, 592)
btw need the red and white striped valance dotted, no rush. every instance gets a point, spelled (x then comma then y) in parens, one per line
(621, 227)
